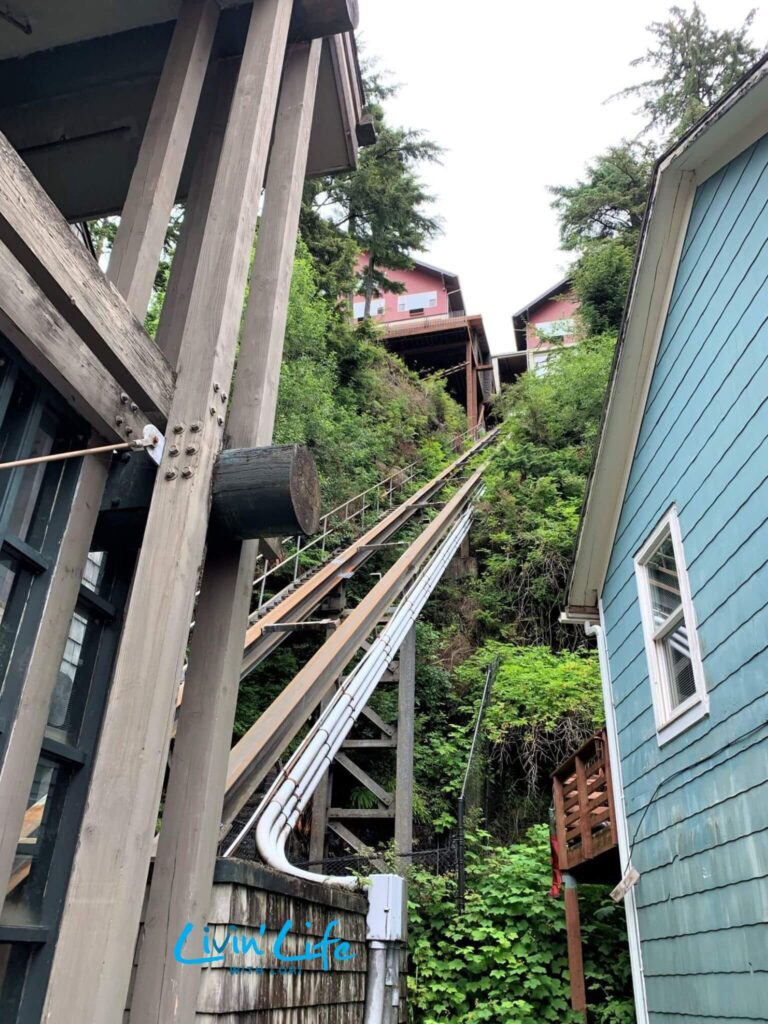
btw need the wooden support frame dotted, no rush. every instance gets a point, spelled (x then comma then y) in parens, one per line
(93, 960)
(362, 776)
(49, 338)
(165, 991)
(40, 239)
(50, 344)
(136, 252)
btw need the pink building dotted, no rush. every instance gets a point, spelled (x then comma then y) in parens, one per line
(427, 326)
(429, 291)
(545, 324)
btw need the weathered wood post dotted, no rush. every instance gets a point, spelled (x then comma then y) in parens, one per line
(166, 991)
(93, 958)
(158, 171)
(575, 954)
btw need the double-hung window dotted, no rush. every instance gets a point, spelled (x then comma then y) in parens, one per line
(669, 627)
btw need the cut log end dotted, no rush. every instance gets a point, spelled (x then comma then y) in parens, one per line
(265, 492)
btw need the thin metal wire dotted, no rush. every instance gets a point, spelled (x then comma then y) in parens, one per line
(61, 456)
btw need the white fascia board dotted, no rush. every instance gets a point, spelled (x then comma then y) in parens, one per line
(732, 126)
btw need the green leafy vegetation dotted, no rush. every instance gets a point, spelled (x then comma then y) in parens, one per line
(504, 960)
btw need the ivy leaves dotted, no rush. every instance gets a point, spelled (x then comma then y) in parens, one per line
(504, 960)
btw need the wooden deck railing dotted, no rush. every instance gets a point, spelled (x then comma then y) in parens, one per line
(585, 818)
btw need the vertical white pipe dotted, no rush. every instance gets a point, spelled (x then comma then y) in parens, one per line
(622, 829)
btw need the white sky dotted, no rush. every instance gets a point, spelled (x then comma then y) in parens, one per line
(514, 90)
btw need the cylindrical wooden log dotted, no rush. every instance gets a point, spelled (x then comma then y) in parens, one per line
(265, 492)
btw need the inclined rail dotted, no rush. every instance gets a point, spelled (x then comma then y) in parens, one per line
(254, 755)
(292, 790)
(297, 605)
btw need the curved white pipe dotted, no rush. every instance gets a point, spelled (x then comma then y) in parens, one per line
(293, 788)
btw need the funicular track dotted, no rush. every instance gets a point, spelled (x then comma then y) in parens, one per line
(295, 605)
(255, 754)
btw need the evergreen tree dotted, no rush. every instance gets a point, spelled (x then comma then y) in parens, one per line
(382, 205)
(610, 201)
(696, 65)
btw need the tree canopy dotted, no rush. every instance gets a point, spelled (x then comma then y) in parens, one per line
(382, 206)
(697, 64)
(600, 216)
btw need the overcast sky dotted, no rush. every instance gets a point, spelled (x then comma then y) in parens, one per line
(513, 90)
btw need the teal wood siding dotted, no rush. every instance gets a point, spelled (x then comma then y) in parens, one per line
(697, 807)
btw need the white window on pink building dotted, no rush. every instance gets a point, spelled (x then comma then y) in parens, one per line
(418, 302)
(377, 308)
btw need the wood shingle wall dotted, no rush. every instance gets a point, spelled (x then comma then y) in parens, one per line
(245, 895)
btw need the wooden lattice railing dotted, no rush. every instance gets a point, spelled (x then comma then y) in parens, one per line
(585, 819)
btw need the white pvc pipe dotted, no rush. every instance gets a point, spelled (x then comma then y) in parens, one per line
(625, 852)
(293, 788)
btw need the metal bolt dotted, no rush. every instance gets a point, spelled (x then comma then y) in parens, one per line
(170, 474)
(178, 428)
(217, 387)
(212, 410)
(220, 420)
(119, 420)
(128, 431)
(173, 450)
(123, 397)
(186, 472)
(196, 426)
(133, 407)
(191, 449)
(223, 396)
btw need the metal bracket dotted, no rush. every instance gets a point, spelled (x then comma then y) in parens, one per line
(153, 443)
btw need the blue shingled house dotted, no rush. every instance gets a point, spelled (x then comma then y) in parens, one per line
(671, 573)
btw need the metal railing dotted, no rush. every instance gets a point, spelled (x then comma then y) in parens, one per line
(472, 765)
(349, 515)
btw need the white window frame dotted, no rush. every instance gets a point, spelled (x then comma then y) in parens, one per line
(670, 721)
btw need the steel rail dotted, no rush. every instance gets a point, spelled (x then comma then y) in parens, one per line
(256, 752)
(299, 604)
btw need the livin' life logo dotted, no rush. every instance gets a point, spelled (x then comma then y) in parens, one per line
(327, 949)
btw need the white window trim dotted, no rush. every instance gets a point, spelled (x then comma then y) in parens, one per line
(670, 722)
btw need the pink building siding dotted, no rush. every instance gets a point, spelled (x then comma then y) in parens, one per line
(553, 319)
(426, 294)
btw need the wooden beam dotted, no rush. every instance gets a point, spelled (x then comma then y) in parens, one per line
(314, 19)
(361, 812)
(40, 239)
(362, 776)
(357, 844)
(165, 991)
(575, 953)
(93, 958)
(47, 341)
(214, 110)
(155, 180)
(405, 739)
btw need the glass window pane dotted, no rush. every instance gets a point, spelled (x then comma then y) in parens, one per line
(14, 957)
(94, 570)
(14, 593)
(30, 481)
(664, 582)
(30, 867)
(680, 668)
